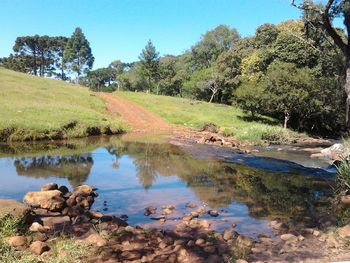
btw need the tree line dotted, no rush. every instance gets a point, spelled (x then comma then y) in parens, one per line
(48, 56)
(297, 71)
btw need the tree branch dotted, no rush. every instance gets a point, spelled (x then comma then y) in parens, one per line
(330, 29)
(327, 24)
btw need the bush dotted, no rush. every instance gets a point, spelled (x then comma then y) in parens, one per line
(343, 174)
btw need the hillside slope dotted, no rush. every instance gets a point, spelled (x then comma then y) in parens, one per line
(34, 108)
(231, 120)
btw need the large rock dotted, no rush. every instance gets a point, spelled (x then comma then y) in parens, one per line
(95, 239)
(51, 200)
(56, 222)
(344, 231)
(13, 207)
(84, 190)
(49, 186)
(39, 247)
(17, 241)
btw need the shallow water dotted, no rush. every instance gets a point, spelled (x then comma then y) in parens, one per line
(133, 174)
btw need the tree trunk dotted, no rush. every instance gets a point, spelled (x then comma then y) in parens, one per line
(347, 90)
(286, 118)
(212, 97)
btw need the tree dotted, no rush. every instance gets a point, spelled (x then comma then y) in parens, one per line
(26, 47)
(149, 59)
(101, 79)
(328, 12)
(212, 44)
(118, 68)
(287, 89)
(58, 45)
(77, 53)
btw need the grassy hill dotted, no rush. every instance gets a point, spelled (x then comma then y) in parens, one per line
(231, 120)
(34, 108)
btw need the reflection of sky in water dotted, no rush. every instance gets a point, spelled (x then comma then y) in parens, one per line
(119, 183)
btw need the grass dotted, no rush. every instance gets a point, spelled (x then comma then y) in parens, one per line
(231, 120)
(34, 108)
(64, 249)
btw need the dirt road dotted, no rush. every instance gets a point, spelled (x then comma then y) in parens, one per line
(137, 117)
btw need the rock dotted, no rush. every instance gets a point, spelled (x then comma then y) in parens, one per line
(84, 190)
(171, 207)
(241, 261)
(158, 217)
(95, 239)
(344, 231)
(213, 213)
(301, 238)
(201, 210)
(316, 233)
(39, 247)
(95, 214)
(51, 200)
(56, 222)
(63, 189)
(332, 242)
(49, 186)
(13, 207)
(210, 127)
(17, 241)
(200, 242)
(150, 210)
(191, 205)
(36, 227)
(289, 237)
(204, 223)
(229, 234)
(278, 225)
(210, 249)
(244, 241)
(345, 199)
(167, 211)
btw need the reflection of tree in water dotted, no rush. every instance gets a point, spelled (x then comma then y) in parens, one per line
(76, 168)
(220, 183)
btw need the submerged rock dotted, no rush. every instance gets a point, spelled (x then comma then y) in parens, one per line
(150, 210)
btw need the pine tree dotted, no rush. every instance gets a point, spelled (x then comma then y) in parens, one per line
(149, 59)
(78, 54)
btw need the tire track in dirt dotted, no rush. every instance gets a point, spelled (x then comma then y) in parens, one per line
(137, 117)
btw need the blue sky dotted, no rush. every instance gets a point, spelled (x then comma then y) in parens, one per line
(119, 29)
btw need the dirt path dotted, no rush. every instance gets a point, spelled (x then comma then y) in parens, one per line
(137, 117)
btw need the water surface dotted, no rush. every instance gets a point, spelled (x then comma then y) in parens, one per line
(133, 174)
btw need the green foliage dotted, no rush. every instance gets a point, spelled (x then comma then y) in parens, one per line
(343, 174)
(77, 53)
(212, 44)
(149, 65)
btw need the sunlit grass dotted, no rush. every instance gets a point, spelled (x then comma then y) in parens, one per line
(232, 120)
(35, 108)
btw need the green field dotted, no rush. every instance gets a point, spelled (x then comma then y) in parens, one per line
(232, 120)
(34, 108)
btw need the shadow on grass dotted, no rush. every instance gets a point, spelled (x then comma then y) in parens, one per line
(260, 119)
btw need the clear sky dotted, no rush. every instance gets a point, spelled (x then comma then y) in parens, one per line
(119, 29)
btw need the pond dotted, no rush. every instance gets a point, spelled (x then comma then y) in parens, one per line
(133, 173)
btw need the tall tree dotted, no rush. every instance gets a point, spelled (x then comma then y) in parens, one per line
(77, 53)
(149, 59)
(212, 44)
(27, 48)
(328, 12)
(58, 45)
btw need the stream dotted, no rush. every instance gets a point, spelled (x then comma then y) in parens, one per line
(131, 174)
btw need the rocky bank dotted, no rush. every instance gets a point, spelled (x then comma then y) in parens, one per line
(56, 213)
